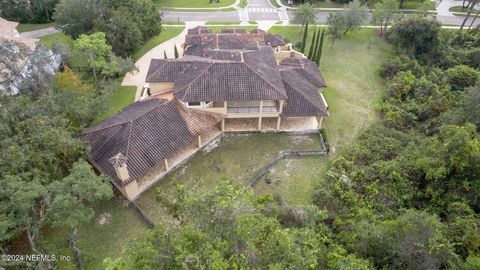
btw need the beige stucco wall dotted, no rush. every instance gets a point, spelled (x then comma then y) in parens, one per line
(161, 87)
(131, 190)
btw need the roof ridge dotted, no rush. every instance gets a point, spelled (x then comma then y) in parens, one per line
(123, 122)
(248, 66)
(158, 68)
(102, 128)
(190, 83)
(303, 95)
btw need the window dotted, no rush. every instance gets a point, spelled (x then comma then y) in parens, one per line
(278, 49)
(194, 104)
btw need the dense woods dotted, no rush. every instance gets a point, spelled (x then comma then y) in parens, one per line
(127, 23)
(405, 195)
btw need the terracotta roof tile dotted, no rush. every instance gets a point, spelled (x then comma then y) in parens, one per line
(146, 132)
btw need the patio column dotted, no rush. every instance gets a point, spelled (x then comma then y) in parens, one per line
(199, 141)
(260, 123)
(320, 121)
(165, 161)
(279, 120)
(281, 107)
(261, 107)
(222, 125)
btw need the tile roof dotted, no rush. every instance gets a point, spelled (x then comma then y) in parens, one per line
(146, 132)
(230, 38)
(303, 97)
(255, 77)
(306, 68)
(199, 30)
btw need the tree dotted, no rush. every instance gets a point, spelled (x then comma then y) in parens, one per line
(320, 48)
(384, 13)
(316, 44)
(355, 16)
(95, 50)
(175, 51)
(24, 11)
(303, 14)
(471, 105)
(304, 39)
(415, 35)
(224, 229)
(73, 198)
(123, 33)
(312, 45)
(337, 26)
(76, 17)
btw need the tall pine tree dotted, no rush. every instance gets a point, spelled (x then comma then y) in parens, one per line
(316, 44)
(312, 45)
(320, 48)
(304, 39)
(175, 51)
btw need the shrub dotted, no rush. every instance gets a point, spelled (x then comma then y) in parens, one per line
(461, 77)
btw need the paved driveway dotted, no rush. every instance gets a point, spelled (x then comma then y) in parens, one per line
(138, 78)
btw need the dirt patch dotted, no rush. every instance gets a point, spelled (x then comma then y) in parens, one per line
(104, 218)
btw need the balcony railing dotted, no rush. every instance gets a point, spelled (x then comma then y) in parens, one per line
(252, 109)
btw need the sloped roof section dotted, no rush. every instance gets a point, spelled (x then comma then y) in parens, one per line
(199, 30)
(306, 68)
(146, 133)
(228, 81)
(230, 39)
(303, 97)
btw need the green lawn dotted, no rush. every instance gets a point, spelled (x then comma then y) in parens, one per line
(98, 241)
(408, 4)
(121, 98)
(294, 179)
(239, 158)
(461, 11)
(166, 34)
(217, 29)
(192, 3)
(351, 71)
(173, 23)
(222, 22)
(26, 27)
(243, 3)
(198, 10)
(274, 3)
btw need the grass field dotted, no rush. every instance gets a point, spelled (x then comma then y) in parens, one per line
(121, 98)
(166, 34)
(222, 22)
(217, 29)
(239, 158)
(26, 27)
(98, 241)
(173, 23)
(243, 3)
(192, 3)
(408, 4)
(351, 71)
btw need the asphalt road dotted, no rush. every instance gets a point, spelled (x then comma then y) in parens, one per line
(268, 16)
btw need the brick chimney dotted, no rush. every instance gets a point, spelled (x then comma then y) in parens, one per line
(119, 162)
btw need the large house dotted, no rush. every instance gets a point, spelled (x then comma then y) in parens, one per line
(229, 81)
